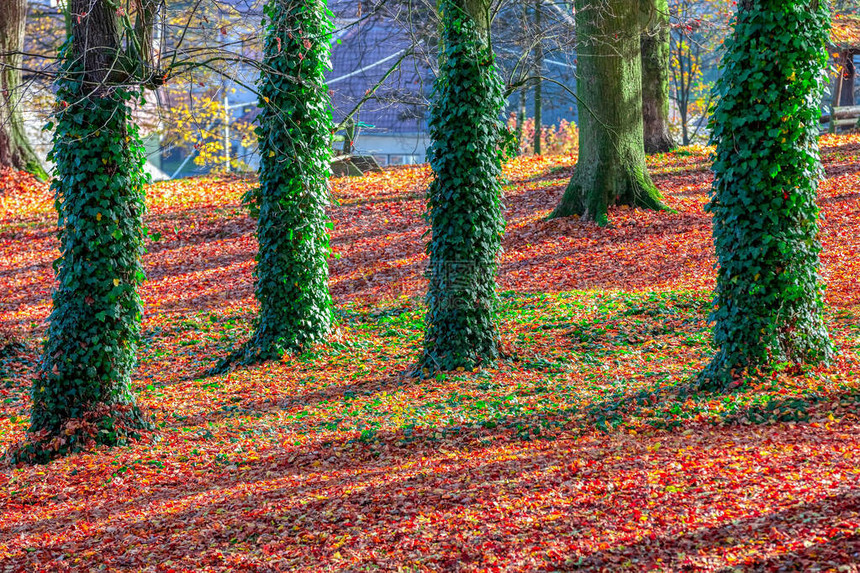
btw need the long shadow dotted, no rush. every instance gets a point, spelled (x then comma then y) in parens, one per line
(378, 278)
(48, 219)
(849, 198)
(210, 301)
(838, 554)
(325, 487)
(24, 269)
(685, 173)
(352, 238)
(30, 235)
(302, 504)
(840, 170)
(170, 269)
(561, 176)
(674, 552)
(196, 238)
(653, 265)
(396, 197)
(827, 150)
(258, 408)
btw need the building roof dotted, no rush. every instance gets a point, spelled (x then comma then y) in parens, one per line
(845, 32)
(365, 53)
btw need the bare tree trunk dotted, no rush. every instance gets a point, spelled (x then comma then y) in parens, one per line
(15, 149)
(521, 116)
(839, 79)
(97, 44)
(538, 82)
(682, 89)
(656, 50)
(849, 76)
(521, 109)
(611, 167)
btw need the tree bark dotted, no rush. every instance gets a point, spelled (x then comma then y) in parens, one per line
(97, 44)
(849, 75)
(656, 47)
(838, 80)
(521, 108)
(538, 82)
(94, 326)
(521, 117)
(611, 167)
(15, 148)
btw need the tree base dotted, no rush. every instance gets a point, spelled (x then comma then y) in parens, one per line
(103, 425)
(249, 354)
(591, 192)
(35, 169)
(430, 364)
(725, 373)
(257, 350)
(663, 144)
(10, 346)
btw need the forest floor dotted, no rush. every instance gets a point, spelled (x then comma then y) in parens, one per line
(583, 451)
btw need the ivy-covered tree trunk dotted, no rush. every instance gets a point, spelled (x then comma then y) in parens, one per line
(15, 148)
(82, 393)
(656, 50)
(768, 307)
(611, 166)
(294, 132)
(463, 208)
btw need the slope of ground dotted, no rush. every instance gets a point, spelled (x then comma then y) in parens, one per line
(583, 451)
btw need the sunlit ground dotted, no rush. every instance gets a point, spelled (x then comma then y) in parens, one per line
(583, 450)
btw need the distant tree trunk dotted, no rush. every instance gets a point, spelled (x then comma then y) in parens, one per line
(682, 79)
(15, 148)
(611, 167)
(521, 109)
(521, 117)
(656, 51)
(836, 92)
(538, 81)
(464, 202)
(90, 352)
(846, 74)
(848, 83)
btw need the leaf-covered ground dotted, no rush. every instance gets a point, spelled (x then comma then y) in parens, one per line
(583, 451)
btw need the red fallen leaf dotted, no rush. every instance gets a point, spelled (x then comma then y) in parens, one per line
(268, 467)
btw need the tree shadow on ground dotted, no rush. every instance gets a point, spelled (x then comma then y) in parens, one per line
(393, 197)
(700, 549)
(371, 494)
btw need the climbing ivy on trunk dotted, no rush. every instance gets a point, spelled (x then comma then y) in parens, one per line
(294, 132)
(82, 393)
(464, 205)
(768, 307)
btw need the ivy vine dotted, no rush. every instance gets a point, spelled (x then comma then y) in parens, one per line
(464, 202)
(82, 393)
(768, 306)
(294, 132)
